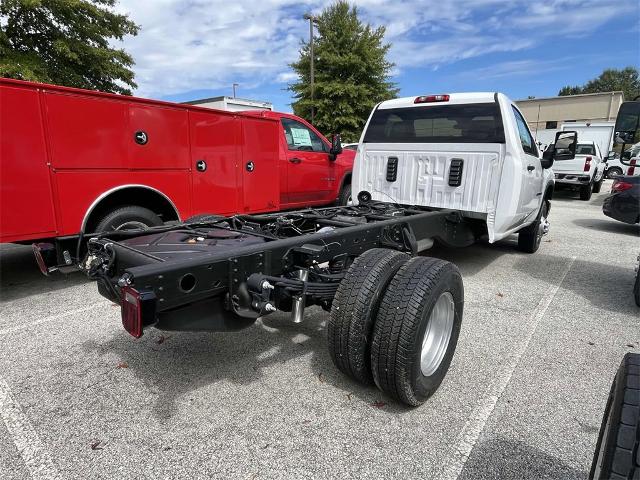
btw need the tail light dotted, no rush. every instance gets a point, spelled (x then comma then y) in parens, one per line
(632, 168)
(587, 164)
(620, 186)
(138, 309)
(431, 98)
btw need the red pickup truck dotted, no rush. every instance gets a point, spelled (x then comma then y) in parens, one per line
(74, 160)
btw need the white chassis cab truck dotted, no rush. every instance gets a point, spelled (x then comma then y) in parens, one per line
(585, 172)
(468, 152)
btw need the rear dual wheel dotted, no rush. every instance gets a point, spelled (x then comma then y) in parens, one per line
(396, 321)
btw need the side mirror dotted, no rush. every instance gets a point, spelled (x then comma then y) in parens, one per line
(610, 156)
(564, 148)
(336, 147)
(627, 123)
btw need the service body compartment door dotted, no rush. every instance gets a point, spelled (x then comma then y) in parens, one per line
(26, 204)
(259, 166)
(215, 162)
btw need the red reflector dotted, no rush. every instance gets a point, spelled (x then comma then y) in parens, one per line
(131, 311)
(40, 250)
(431, 98)
(587, 164)
(621, 186)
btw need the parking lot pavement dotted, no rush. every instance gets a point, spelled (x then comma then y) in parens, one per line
(542, 336)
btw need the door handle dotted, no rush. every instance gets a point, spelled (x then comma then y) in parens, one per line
(531, 168)
(295, 160)
(201, 165)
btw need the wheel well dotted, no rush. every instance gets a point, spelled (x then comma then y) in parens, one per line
(136, 196)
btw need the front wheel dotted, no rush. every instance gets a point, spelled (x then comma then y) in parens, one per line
(613, 172)
(529, 238)
(345, 196)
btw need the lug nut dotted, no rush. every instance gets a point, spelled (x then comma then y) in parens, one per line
(267, 286)
(269, 308)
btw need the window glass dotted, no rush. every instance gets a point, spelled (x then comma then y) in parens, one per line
(300, 137)
(585, 149)
(526, 139)
(467, 123)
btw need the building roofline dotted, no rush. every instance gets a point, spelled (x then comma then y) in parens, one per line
(537, 99)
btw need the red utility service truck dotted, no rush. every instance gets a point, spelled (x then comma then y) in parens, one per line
(74, 160)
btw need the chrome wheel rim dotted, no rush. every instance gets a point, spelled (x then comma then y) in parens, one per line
(132, 225)
(437, 334)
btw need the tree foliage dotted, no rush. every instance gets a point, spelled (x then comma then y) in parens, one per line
(66, 42)
(627, 80)
(351, 72)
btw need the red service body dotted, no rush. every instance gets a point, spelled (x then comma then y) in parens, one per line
(71, 157)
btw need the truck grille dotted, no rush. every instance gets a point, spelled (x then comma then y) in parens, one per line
(392, 169)
(455, 172)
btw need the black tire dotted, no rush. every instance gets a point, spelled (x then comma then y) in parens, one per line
(529, 238)
(585, 192)
(598, 185)
(345, 195)
(613, 172)
(399, 329)
(204, 218)
(354, 310)
(128, 217)
(636, 288)
(617, 455)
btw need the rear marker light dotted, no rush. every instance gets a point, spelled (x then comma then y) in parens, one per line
(138, 309)
(587, 164)
(45, 254)
(431, 98)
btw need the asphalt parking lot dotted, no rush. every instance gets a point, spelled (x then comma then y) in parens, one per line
(541, 339)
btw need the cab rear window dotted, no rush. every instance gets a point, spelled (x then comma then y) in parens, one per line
(470, 123)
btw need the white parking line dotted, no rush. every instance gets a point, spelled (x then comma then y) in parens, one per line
(26, 326)
(25, 437)
(474, 426)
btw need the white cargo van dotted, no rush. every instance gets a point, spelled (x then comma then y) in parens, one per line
(470, 152)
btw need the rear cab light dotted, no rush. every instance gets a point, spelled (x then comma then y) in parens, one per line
(138, 309)
(587, 164)
(431, 99)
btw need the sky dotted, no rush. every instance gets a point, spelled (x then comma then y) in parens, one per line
(192, 49)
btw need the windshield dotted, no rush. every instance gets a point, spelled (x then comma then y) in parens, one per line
(585, 149)
(471, 123)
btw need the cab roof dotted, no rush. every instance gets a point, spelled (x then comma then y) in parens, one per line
(454, 98)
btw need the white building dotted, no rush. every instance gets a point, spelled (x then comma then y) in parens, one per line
(231, 104)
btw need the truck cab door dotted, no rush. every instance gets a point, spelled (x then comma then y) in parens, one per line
(531, 169)
(310, 173)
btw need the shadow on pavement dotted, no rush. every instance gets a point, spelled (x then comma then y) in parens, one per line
(20, 276)
(502, 458)
(608, 225)
(609, 287)
(471, 260)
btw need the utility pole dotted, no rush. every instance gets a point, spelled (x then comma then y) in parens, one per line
(311, 18)
(234, 89)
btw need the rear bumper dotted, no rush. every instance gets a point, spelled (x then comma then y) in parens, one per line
(572, 179)
(619, 208)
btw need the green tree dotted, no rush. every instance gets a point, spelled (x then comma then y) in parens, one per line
(66, 42)
(627, 80)
(351, 72)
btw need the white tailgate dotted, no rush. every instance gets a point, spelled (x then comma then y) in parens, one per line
(423, 175)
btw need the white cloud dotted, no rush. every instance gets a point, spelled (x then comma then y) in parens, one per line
(186, 45)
